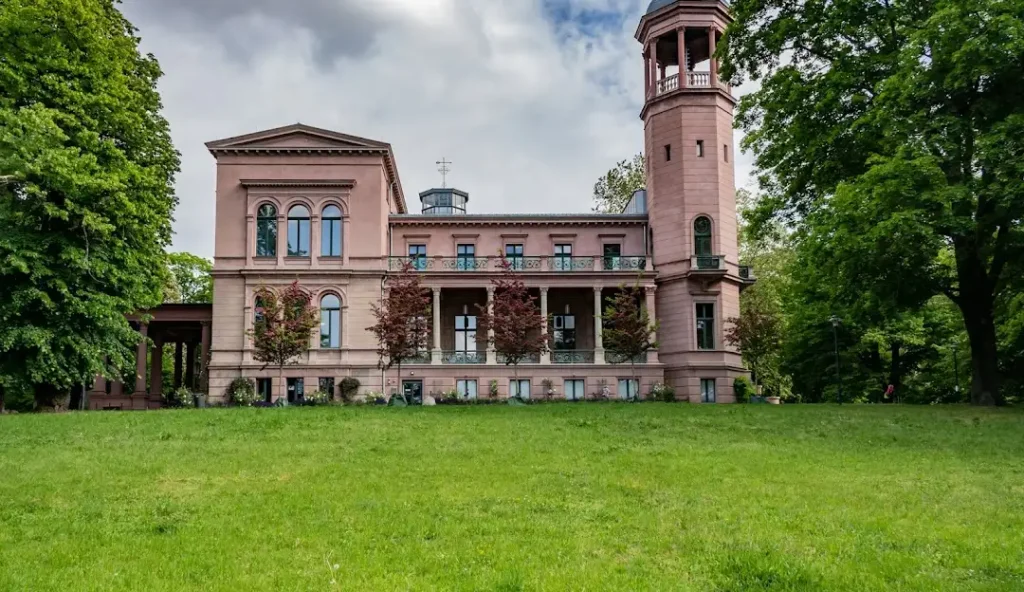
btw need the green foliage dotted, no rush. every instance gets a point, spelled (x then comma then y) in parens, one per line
(242, 392)
(284, 326)
(628, 332)
(86, 196)
(662, 392)
(891, 138)
(349, 388)
(191, 279)
(613, 191)
(742, 388)
(182, 398)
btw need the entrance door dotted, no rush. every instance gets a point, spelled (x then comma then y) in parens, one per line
(413, 390)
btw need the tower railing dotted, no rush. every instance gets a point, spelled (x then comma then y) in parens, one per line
(693, 80)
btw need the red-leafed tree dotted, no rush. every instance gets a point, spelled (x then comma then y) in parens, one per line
(283, 327)
(401, 328)
(628, 332)
(513, 324)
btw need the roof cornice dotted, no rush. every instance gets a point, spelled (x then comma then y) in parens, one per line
(521, 220)
(329, 183)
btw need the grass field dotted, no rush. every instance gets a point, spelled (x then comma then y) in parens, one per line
(552, 497)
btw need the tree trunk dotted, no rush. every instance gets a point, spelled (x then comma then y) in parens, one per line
(895, 367)
(1, 398)
(977, 303)
(281, 384)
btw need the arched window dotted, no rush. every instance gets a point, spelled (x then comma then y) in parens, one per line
(266, 231)
(257, 314)
(702, 237)
(298, 232)
(330, 322)
(330, 232)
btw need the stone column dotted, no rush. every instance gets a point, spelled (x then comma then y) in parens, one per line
(652, 354)
(250, 239)
(156, 367)
(492, 355)
(435, 309)
(314, 240)
(190, 365)
(177, 364)
(714, 62)
(683, 66)
(598, 328)
(204, 358)
(647, 72)
(654, 68)
(545, 358)
(345, 232)
(140, 360)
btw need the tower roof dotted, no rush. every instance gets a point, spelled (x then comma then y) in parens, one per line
(657, 5)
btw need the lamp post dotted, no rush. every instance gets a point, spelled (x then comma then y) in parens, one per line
(835, 334)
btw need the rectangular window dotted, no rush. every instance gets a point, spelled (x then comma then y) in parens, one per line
(668, 152)
(465, 334)
(705, 325)
(612, 257)
(707, 390)
(418, 256)
(725, 152)
(265, 389)
(514, 255)
(327, 386)
(575, 390)
(466, 389)
(519, 388)
(296, 390)
(564, 331)
(628, 389)
(466, 260)
(700, 148)
(563, 258)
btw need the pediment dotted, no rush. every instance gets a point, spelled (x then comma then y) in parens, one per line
(297, 137)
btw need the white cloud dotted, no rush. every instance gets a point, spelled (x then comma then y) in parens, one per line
(530, 115)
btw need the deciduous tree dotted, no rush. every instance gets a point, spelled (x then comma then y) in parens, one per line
(628, 332)
(895, 132)
(86, 192)
(613, 191)
(283, 327)
(513, 323)
(401, 328)
(191, 277)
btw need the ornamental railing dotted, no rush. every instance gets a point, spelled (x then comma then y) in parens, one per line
(456, 357)
(572, 357)
(420, 358)
(529, 359)
(693, 80)
(623, 263)
(668, 84)
(746, 272)
(556, 263)
(613, 358)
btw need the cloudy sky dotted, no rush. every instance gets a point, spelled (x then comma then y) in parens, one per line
(531, 99)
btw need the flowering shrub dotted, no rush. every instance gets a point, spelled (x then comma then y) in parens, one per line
(374, 397)
(318, 398)
(662, 392)
(181, 398)
(242, 392)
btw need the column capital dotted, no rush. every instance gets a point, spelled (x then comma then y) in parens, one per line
(543, 289)
(436, 291)
(490, 290)
(650, 289)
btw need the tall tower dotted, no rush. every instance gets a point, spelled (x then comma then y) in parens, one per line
(688, 120)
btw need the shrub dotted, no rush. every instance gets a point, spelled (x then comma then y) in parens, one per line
(662, 392)
(742, 388)
(494, 389)
(317, 397)
(242, 392)
(182, 398)
(349, 388)
(549, 388)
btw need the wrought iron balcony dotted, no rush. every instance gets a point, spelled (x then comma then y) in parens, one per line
(613, 358)
(747, 272)
(420, 358)
(531, 359)
(624, 263)
(569, 263)
(572, 357)
(456, 357)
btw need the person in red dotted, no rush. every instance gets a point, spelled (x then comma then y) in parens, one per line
(889, 391)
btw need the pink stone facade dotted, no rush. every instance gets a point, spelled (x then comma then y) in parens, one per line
(571, 262)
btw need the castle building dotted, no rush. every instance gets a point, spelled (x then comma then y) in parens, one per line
(329, 211)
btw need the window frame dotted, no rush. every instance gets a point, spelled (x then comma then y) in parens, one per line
(515, 259)
(465, 332)
(632, 384)
(611, 262)
(519, 382)
(702, 325)
(329, 227)
(329, 380)
(465, 256)
(462, 388)
(302, 239)
(563, 257)
(559, 333)
(704, 398)
(418, 259)
(268, 391)
(266, 224)
(295, 389)
(333, 341)
(576, 382)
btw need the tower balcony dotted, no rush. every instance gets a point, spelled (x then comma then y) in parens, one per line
(696, 80)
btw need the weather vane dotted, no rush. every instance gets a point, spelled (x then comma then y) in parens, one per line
(444, 167)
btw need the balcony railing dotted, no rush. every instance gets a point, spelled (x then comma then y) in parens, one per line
(709, 263)
(613, 358)
(530, 359)
(556, 263)
(420, 358)
(624, 263)
(693, 80)
(572, 357)
(746, 272)
(455, 357)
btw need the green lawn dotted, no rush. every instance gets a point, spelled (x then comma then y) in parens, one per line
(551, 497)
